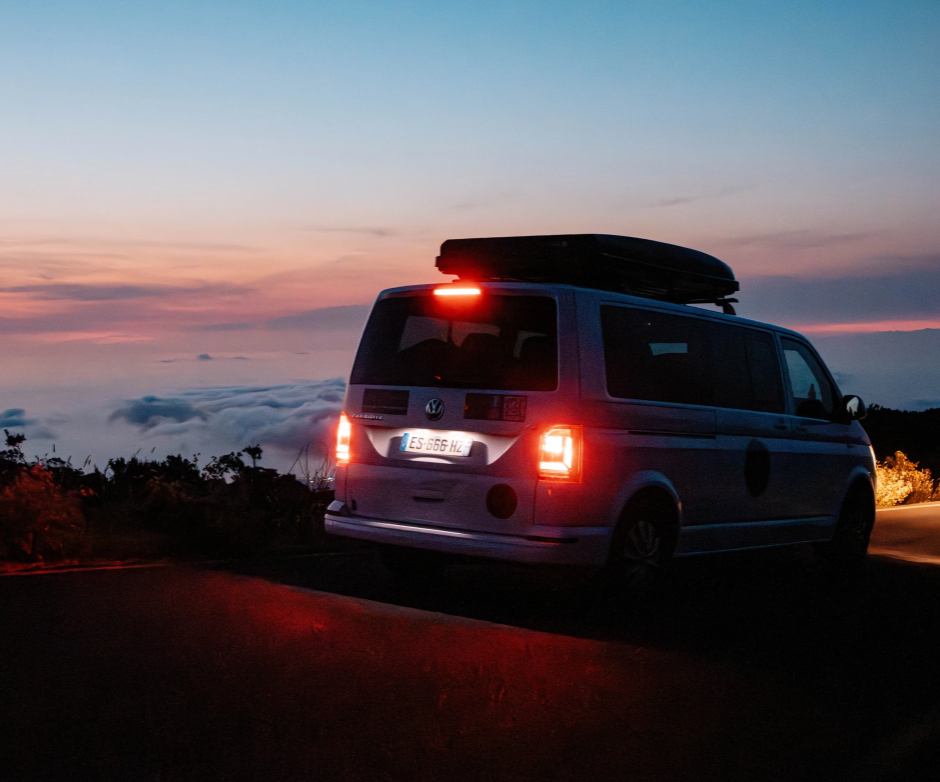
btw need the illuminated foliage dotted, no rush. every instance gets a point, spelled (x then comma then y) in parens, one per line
(900, 481)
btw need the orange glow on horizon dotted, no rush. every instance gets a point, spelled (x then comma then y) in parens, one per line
(867, 328)
(101, 338)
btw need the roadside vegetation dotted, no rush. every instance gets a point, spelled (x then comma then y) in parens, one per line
(51, 511)
(915, 433)
(901, 482)
(907, 447)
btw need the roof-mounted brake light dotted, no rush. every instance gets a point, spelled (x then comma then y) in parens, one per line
(457, 290)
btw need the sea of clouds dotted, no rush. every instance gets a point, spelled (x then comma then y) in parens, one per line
(287, 419)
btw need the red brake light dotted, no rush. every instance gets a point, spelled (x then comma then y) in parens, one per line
(457, 290)
(343, 433)
(560, 454)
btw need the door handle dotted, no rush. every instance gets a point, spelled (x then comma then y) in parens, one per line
(780, 426)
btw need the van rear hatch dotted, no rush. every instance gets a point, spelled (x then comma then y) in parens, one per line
(445, 397)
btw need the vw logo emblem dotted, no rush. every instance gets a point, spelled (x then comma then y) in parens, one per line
(434, 409)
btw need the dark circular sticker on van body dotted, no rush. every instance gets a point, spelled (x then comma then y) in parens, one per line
(756, 468)
(501, 501)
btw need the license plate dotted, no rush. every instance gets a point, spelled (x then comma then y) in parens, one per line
(438, 443)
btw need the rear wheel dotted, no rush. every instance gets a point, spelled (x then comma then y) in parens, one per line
(641, 554)
(413, 564)
(849, 545)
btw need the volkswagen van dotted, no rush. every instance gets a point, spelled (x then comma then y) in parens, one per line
(570, 400)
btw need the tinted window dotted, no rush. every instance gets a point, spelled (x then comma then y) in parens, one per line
(745, 369)
(655, 356)
(503, 343)
(813, 394)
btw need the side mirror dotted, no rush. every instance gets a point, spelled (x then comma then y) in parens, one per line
(854, 407)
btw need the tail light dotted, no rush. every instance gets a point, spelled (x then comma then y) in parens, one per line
(560, 454)
(343, 433)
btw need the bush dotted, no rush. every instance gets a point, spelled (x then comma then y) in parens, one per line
(50, 509)
(916, 434)
(900, 481)
(226, 508)
(38, 519)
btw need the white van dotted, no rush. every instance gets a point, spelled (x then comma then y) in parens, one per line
(563, 403)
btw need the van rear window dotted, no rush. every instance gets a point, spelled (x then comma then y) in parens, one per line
(500, 343)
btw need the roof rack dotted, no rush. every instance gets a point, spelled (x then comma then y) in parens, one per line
(624, 264)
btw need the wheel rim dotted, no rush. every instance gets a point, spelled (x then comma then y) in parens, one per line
(641, 558)
(643, 544)
(855, 530)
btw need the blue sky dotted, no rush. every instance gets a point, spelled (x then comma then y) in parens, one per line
(197, 178)
(277, 111)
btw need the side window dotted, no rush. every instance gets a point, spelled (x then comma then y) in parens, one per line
(746, 369)
(813, 394)
(655, 356)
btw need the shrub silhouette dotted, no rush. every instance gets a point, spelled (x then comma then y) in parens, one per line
(50, 509)
(14, 450)
(220, 466)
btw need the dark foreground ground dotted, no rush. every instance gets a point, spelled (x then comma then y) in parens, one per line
(758, 669)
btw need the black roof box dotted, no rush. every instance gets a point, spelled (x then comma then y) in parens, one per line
(640, 267)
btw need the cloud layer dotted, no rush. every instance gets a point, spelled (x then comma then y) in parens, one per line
(352, 316)
(15, 416)
(287, 416)
(81, 292)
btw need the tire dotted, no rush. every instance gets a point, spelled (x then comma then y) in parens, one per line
(413, 564)
(848, 549)
(639, 564)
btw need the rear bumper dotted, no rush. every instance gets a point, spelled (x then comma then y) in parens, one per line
(543, 545)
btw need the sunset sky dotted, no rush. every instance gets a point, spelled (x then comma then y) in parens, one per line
(202, 198)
